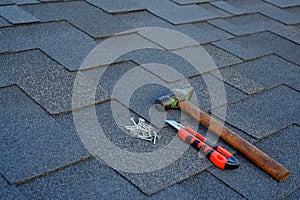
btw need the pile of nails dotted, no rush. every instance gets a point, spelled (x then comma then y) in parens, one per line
(142, 131)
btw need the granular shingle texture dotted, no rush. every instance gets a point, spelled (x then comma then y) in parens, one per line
(74, 73)
(32, 142)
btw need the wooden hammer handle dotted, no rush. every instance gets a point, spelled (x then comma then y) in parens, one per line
(262, 160)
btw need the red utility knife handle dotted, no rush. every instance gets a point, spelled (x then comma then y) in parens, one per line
(220, 149)
(215, 157)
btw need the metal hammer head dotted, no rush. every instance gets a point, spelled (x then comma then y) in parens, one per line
(171, 100)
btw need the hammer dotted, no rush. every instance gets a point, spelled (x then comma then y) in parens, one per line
(178, 99)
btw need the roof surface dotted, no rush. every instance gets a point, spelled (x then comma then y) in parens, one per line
(50, 91)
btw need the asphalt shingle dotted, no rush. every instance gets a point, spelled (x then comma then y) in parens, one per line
(88, 179)
(47, 152)
(3, 22)
(238, 80)
(284, 4)
(37, 142)
(6, 2)
(239, 50)
(21, 2)
(267, 71)
(16, 15)
(247, 24)
(9, 191)
(96, 23)
(60, 40)
(227, 7)
(208, 33)
(265, 113)
(294, 196)
(217, 89)
(266, 9)
(213, 9)
(31, 69)
(177, 63)
(177, 14)
(183, 2)
(115, 6)
(248, 180)
(265, 43)
(142, 19)
(244, 24)
(220, 57)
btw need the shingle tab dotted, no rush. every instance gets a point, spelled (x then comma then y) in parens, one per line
(16, 15)
(239, 50)
(228, 7)
(245, 24)
(170, 59)
(213, 9)
(3, 22)
(86, 180)
(266, 9)
(220, 57)
(285, 142)
(21, 2)
(204, 32)
(59, 40)
(9, 191)
(183, 2)
(177, 14)
(248, 24)
(30, 70)
(265, 113)
(265, 43)
(238, 80)
(36, 141)
(96, 23)
(267, 71)
(219, 92)
(284, 4)
(115, 6)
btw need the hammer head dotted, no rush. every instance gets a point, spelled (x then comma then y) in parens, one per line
(171, 100)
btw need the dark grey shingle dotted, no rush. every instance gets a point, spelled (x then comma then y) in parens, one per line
(220, 57)
(9, 191)
(183, 2)
(84, 16)
(239, 50)
(266, 9)
(177, 14)
(3, 22)
(115, 6)
(227, 7)
(31, 69)
(267, 71)
(221, 92)
(265, 43)
(32, 142)
(88, 179)
(208, 33)
(60, 40)
(213, 9)
(16, 15)
(284, 4)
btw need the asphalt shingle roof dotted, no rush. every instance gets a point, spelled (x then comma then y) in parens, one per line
(255, 46)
